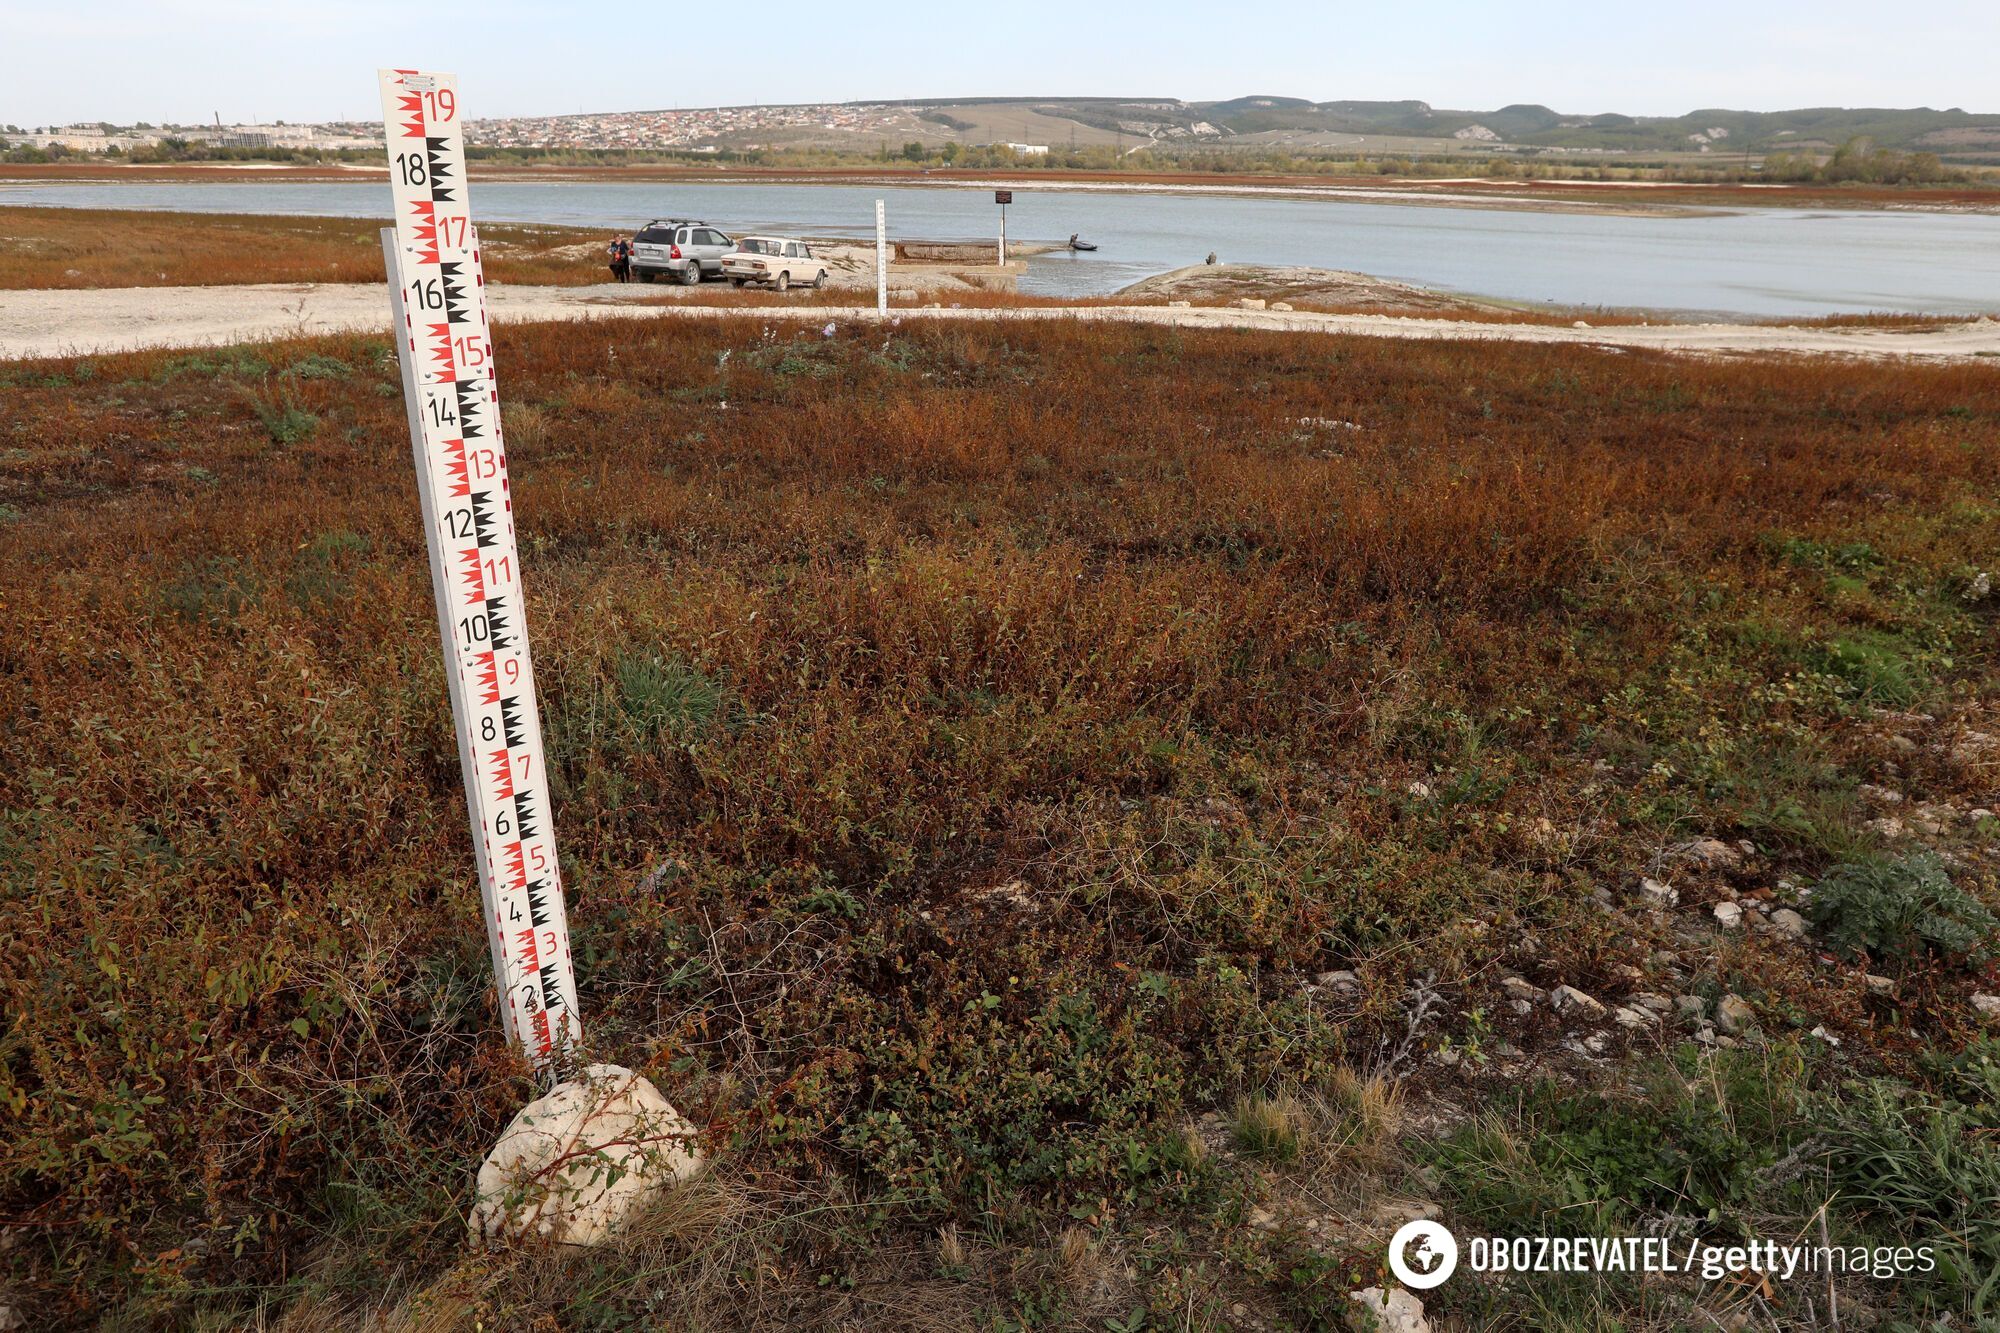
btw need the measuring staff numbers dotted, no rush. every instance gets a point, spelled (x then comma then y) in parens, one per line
(447, 354)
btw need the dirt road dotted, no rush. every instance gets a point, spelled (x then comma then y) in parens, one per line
(58, 323)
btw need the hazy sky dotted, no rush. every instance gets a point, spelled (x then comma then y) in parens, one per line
(183, 60)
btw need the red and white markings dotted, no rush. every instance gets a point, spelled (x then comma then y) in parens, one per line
(463, 467)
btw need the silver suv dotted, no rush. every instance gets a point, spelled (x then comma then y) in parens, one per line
(683, 248)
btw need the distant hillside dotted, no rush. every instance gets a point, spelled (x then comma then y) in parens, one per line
(1952, 134)
(1113, 126)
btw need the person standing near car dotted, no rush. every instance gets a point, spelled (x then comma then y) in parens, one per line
(624, 259)
(611, 256)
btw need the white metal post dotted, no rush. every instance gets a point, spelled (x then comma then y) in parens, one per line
(881, 259)
(1003, 235)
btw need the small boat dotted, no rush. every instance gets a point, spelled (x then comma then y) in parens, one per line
(1083, 245)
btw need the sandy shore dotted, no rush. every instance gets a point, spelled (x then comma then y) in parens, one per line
(1214, 284)
(60, 323)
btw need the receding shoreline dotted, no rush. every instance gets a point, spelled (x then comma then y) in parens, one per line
(1630, 198)
(41, 324)
(186, 279)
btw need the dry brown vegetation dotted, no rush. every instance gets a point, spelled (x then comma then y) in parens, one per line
(77, 247)
(971, 744)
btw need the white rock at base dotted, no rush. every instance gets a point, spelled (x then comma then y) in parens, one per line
(574, 1166)
(1249, 303)
(1728, 915)
(1788, 923)
(1395, 1311)
(1281, 305)
(1988, 1006)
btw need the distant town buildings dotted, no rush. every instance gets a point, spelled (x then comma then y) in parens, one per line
(78, 138)
(700, 129)
(104, 138)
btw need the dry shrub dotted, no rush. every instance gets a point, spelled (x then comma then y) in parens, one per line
(1113, 613)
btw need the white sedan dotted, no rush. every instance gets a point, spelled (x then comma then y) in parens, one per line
(775, 261)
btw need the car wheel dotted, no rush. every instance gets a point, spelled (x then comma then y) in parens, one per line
(691, 275)
(784, 283)
(819, 280)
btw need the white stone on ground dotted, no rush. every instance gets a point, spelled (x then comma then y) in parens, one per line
(1568, 999)
(1395, 1311)
(575, 1166)
(1711, 852)
(1658, 895)
(1734, 1015)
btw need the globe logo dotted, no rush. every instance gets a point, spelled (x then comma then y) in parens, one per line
(1422, 1254)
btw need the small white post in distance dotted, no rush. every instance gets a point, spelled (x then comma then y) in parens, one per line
(881, 259)
(444, 342)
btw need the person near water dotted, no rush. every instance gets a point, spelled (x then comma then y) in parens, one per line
(624, 260)
(1072, 240)
(611, 256)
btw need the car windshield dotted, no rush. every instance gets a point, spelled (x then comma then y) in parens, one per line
(757, 245)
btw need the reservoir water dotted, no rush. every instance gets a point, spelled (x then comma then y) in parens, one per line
(1754, 262)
